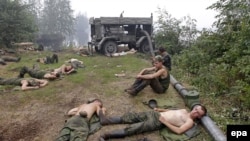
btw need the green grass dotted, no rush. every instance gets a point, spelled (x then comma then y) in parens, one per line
(97, 79)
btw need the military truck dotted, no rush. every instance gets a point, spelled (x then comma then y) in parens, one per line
(107, 33)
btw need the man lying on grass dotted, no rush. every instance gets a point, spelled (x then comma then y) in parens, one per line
(179, 121)
(25, 83)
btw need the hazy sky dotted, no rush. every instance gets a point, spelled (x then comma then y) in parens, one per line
(143, 8)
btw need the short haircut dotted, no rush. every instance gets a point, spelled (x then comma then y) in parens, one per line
(161, 49)
(58, 75)
(159, 58)
(93, 100)
(203, 108)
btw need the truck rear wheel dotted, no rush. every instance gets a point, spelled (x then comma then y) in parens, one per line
(109, 47)
(144, 48)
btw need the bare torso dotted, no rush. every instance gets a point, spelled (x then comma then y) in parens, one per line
(90, 109)
(175, 117)
(58, 70)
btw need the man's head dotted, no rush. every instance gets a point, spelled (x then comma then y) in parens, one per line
(161, 49)
(95, 100)
(68, 68)
(198, 111)
(158, 60)
(52, 75)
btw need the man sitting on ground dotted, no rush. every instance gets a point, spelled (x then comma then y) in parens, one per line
(157, 77)
(39, 74)
(77, 127)
(25, 83)
(179, 121)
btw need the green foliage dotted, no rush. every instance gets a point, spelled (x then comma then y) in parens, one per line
(16, 23)
(218, 62)
(174, 34)
(57, 17)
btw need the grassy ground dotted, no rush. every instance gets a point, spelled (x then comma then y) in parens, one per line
(38, 115)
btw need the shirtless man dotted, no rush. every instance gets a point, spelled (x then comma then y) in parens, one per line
(178, 121)
(25, 83)
(64, 69)
(77, 127)
(39, 74)
(157, 77)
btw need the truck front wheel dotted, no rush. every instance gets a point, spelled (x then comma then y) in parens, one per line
(109, 47)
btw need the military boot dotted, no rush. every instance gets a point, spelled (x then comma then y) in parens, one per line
(54, 58)
(22, 72)
(135, 84)
(114, 134)
(108, 120)
(139, 87)
(2, 62)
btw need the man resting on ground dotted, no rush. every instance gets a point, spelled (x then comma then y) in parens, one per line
(157, 77)
(178, 121)
(25, 83)
(65, 69)
(39, 74)
(4, 59)
(48, 60)
(77, 127)
(75, 63)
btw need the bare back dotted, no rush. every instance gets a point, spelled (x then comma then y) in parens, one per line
(176, 117)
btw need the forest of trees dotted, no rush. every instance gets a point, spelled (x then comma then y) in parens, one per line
(47, 22)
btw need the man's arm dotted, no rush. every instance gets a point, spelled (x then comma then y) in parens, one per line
(178, 130)
(73, 111)
(42, 82)
(98, 110)
(72, 69)
(151, 76)
(26, 87)
(160, 109)
(146, 69)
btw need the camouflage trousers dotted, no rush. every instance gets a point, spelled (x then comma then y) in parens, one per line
(4, 59)
(142, 122)
(39, 74)
(77, 64)
(52, 59)
(75, 129)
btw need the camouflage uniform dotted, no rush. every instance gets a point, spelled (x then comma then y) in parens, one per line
(75, 129)
(17, 81)
(157, 84)
(141, 122)
(77, 64)
(39, 74)
(52, 59)
(4, 59)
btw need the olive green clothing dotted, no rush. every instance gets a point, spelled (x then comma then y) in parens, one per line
(17, 81)
(39, 74)
(157, 84)
(165, 82)
(142, 122)
(75, 129)
(4, 59)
